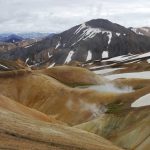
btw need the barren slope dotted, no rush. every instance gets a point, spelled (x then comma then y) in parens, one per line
(74, 76)
(18, 108)
(19, 132)
(130, 130)
(71, 105)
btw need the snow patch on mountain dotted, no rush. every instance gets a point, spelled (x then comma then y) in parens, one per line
(138, 75)
(3, 66)
(26, 60)
(49, 56)
(118, 34)
(103, 71)
(89, 56)
(81, 27)
(28, 46)
(109, 34)
(142, 101)
(64, 44)
(52, 65)
(128, 57)
(118, 58)
(134, 30)
(148, 60)
(58, 45)
(73, 44)
(140, 33)
(68, 59)
(135, 61)
(103, 66)
(90, 32)
(144, 55)
(105, 54)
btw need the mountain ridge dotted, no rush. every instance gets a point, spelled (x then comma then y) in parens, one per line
(142, 31)
(84, 42)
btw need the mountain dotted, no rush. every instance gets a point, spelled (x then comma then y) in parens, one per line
(28, 35)
(142, 31)
(12, 38)
(34, 35)
(9, 41)
(4, 46)
(93, 40)
(7, 46)
(3, 36)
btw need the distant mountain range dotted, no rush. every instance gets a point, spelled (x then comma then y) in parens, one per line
(11, 38)
(17, 37)
(34, 35)
(93, 40)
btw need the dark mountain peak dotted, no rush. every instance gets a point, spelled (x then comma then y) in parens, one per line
(10, 38)
(13, 38)
(106, 25)
(98, 23)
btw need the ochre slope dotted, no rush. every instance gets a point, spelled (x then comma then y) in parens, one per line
(74, 76)
(20, 132)
(129, 130)
(18, 108)
(53, 98)
(70, 105)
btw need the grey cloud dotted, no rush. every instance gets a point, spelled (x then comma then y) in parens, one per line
(58, 15)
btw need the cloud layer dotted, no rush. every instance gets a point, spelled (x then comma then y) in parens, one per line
(59, 15)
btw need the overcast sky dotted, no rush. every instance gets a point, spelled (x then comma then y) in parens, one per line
(59, 15)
